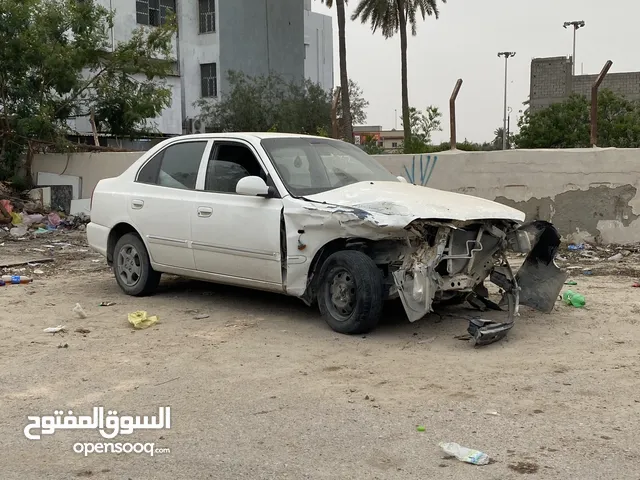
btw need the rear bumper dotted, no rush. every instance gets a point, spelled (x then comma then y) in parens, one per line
(98, 238)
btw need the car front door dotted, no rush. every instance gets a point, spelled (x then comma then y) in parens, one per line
(159, 205)
(236, 238)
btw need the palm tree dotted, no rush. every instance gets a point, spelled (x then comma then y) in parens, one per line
(344, 77)
(392, 16)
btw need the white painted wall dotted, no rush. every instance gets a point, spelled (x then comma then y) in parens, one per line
(195, 49)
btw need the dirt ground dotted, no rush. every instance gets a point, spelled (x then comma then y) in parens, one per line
(262, 388)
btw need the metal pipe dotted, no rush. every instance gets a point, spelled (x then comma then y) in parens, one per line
(452, 113)
(594, 102)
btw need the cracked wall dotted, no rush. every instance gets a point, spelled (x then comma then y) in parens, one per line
(589, 194)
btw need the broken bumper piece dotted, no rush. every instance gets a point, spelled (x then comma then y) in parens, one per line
(485, 332)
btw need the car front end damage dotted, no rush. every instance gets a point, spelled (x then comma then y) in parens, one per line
(444, 261)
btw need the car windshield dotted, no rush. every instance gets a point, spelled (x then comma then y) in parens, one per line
(315, 165)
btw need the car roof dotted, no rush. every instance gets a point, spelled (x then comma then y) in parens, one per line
(249, 135)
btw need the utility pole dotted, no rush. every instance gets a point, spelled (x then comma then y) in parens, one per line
(506, 56)
(576, 24)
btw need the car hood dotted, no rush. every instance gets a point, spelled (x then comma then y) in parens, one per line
(413, 202)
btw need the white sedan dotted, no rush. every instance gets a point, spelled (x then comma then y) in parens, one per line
(318, 219)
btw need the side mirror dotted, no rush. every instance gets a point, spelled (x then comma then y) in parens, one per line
(402, 179)
(252, 186)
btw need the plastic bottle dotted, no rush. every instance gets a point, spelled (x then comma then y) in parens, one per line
(572, 298)
(464, 454)
(16, 279)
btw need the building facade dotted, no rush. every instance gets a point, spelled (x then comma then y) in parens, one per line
(256, 37)
(390, 140)
(552, 82)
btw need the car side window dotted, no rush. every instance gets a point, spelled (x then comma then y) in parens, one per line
(228, 164)
(176, 166)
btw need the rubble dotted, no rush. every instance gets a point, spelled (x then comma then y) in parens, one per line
(23, 220)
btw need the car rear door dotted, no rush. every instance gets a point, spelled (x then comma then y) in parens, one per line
(159, 205)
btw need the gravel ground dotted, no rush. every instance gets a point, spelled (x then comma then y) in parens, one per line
(262, 388)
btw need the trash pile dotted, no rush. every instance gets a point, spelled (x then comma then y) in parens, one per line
(20, 219)
(586, 259)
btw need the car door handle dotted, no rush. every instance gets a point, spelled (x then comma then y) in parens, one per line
(137, 204)
(205, 212)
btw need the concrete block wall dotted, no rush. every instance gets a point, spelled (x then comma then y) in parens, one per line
(550, 81)
(627, 84)
(589, 194)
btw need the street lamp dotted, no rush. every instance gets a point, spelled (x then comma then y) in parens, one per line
(576, 24)
(506, 56)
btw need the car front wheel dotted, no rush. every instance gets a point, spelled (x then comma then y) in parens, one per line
(132, 267)
(350, 296)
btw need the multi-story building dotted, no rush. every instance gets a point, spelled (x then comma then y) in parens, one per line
(256, 37)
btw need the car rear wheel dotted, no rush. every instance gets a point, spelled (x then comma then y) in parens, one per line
(350, 296)
(132, 267)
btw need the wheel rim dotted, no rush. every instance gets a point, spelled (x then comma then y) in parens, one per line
(129, 265)
(342, 294)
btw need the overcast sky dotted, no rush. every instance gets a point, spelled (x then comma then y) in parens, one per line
(464, 43)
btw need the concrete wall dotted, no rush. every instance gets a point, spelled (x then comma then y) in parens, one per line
(552, 82)
(589, 194)
(262, 36)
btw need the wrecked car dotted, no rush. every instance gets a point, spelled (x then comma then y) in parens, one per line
(321, 220)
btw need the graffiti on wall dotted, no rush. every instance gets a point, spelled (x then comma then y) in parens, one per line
(426, 166)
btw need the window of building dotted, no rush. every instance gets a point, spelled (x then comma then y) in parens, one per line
(176, 166)
(154, 12)
(394, 144)
(207, 16)
(228, 164)
(209, 78)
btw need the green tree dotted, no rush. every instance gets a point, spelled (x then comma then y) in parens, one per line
(422, 126)
(567, 125)
(358, 104)
(347, 121)
(270, 103)
(391, 17)
(370, 146)
(58, 61)
(497, 140)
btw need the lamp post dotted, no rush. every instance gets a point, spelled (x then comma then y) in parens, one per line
(576, 24)
(506, 56)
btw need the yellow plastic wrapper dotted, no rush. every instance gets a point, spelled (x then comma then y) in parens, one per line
(141, 319)
(16, 219)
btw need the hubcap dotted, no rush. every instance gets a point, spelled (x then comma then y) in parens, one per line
(342, 294)
(129, 266)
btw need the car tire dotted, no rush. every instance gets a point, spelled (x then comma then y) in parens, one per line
(351, 296)
(132, 268)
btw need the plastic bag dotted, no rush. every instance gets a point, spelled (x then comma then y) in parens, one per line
(141, 319)
(475, 457)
